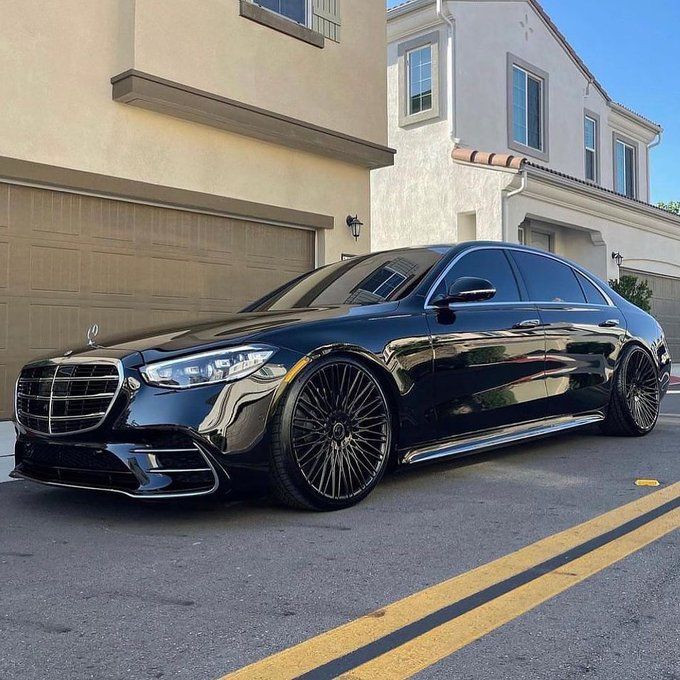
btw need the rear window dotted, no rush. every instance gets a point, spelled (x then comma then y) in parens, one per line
(548, 280)
(593, 295)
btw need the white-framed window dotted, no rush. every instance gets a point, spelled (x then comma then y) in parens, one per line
(528, 101)
(591, 134)
(419, 80)
(419, 90)
(625, 169)
(298, 11)
(527, 108)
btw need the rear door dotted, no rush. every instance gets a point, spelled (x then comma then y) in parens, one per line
(488, 356)
(584, 333)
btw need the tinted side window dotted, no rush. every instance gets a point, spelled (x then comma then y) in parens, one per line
(491, 265)
(548, 280)
(593, 295)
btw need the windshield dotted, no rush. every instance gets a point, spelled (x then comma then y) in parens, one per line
(366, 280)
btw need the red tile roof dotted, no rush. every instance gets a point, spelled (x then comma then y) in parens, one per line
(484, 158)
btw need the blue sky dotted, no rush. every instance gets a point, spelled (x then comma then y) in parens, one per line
(634, 51)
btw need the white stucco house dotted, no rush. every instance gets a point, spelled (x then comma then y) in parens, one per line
(503, 133)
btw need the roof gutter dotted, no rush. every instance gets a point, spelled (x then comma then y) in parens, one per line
(505, 198)
(447, 17)
(655, 142)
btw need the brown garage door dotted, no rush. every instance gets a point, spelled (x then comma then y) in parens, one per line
(67, 261)
(665, 305)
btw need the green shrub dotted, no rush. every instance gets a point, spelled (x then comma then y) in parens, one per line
(634, 290)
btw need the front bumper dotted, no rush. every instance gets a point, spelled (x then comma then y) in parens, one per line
(163, 443)
(171, 467)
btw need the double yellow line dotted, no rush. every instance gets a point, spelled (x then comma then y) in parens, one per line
(410, 635)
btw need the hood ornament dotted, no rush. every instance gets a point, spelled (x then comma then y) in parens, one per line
(92, 333)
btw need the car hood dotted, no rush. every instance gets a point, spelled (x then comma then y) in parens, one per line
(229, 330)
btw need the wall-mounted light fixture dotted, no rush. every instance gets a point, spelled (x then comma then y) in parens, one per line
(355, 224)
(618, 258)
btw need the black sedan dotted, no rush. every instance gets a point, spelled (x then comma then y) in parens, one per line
(408, 355)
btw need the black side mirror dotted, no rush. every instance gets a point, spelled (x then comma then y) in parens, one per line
(466, 289)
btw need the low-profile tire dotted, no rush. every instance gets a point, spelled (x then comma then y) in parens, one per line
(635, 398)
(331, 437)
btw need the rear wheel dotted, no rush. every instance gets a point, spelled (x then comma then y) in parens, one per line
(331, 439)
(634, 406)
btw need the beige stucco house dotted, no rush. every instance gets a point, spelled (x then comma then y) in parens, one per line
(163, 159)
(503, 133)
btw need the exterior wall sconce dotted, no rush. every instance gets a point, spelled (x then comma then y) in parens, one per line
(618, 258)
(355, 225)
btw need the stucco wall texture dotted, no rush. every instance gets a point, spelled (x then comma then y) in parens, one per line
(57, 61)
(427, 197)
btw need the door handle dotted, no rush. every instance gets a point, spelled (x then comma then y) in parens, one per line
(609, 323)
(529, 323)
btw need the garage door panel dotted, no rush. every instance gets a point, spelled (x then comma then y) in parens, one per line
(4, 325)
(52, 327)
(55, 213)
(67, 261)
(113, 273)
(107, 220)
(4, 208)
(216, 234)
(218, 281)
(55, 268)
(665, 305)
(173, 228)
(4, 264)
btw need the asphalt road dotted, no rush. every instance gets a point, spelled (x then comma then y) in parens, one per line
(97, 586)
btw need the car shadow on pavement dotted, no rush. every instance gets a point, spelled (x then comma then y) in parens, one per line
(254, 502)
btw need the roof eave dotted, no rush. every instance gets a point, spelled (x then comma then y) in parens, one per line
(574, 184)
(636, 117)
(407, 8)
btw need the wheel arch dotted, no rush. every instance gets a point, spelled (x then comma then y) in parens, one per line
(374, 366)
(636, 342)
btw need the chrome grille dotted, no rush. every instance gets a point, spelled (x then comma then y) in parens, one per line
(66, 395)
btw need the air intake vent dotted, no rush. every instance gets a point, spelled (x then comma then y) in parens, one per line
(66, 397)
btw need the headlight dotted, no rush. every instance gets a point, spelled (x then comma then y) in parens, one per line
(224, 365)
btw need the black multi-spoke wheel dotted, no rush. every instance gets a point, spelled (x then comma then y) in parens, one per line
(634, 406)
(333, 439)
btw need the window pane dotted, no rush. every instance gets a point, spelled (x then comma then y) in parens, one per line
(548, 280)
(630, 172)
(535, 113)
(593, 295)
(296, 10)
(420, 79)
(620, 168)
(491, 265)
(590, 133)
(519, 105)
(590, 165)
(360, 280)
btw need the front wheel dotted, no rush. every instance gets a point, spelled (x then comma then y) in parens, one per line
(635, 399)
(331, 437)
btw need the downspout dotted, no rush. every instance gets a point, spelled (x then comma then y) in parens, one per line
(505, 197)
(656, 142)
(447, 17)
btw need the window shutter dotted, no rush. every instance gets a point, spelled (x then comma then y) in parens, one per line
(326, 19)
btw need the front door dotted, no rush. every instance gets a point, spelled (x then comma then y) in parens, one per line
(584, 334)
(488, 356)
